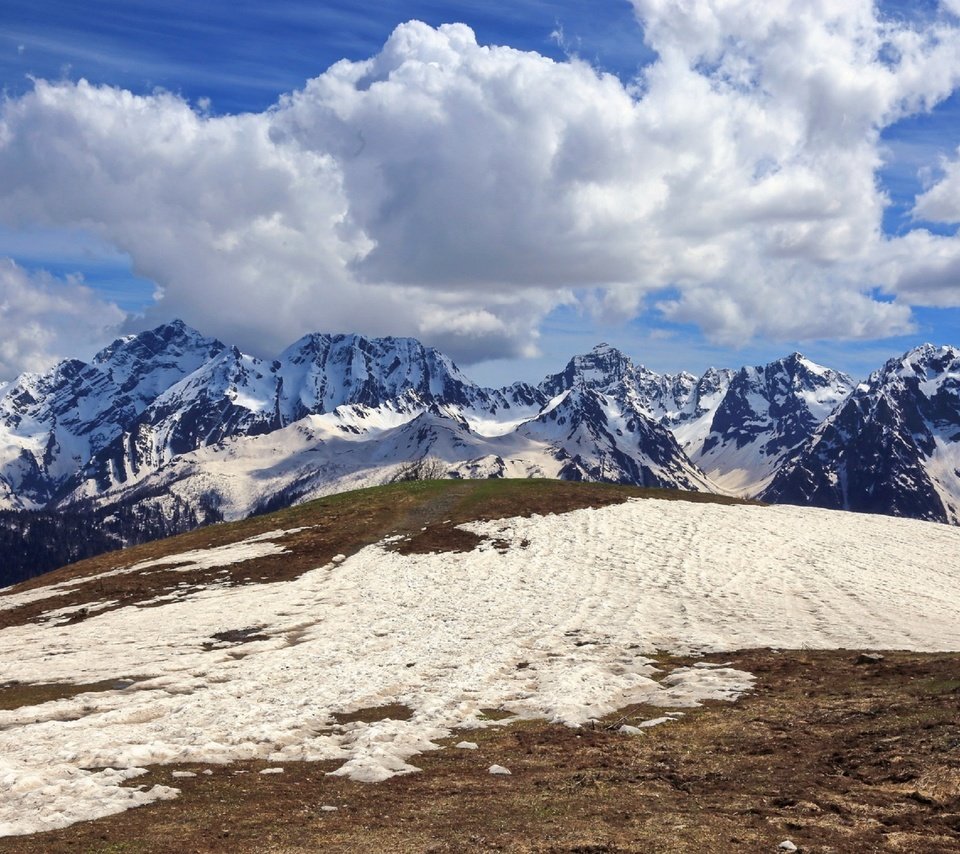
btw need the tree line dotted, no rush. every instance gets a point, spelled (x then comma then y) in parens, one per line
(33, 542)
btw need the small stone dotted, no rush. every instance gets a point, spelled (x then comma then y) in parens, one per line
(466, 745)
(208, 772)
(327, 808)
(499, 769)
(869, 658)
(655, 722)
(787, 845)
(338, 558)
(626, 729)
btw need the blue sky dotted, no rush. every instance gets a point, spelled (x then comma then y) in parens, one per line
(242, 55)
(226, 58)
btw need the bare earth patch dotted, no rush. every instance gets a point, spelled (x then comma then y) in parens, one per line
(372, 714)
(832, 750)
(833, 755)
(15, 695)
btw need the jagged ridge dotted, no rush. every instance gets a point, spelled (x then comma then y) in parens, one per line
(173, 412)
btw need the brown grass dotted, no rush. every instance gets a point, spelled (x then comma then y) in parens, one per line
(372, 714)
(15, 695)
(832, 755)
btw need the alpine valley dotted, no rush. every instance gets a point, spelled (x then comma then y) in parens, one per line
(169, 429)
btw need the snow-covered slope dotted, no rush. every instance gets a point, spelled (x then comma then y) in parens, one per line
(610, 372)
(892, 447)
(52, 424)
(745, 424)
(170, 411)
(235, 395)
(736, 426)
(337, 411)
(601, 437)
(580, 435)
(581, 600)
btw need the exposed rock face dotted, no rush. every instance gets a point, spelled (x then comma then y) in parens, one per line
(756, 417)
(52, 424)
(601, 438)
(736, 426)
(173, 414)
(892, 447)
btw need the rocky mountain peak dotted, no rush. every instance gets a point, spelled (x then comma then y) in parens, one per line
(891, 447)
(171, 340)
(925, 362)
(600, 368)
(321, 372)
(165, 403)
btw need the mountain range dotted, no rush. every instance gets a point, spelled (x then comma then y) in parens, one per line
(177, 421)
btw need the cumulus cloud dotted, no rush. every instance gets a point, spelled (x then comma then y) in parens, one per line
(922, 268)
(800, 311)
(44, 319)
(458, 191)
(941, 202)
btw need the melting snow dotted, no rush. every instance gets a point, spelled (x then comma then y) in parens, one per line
(580, 604)
(250, 549)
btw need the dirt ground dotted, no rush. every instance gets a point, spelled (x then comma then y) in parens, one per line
(833, 755)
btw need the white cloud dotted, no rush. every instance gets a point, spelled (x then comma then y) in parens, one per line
(44, 319)
(800, 311)
(941, 202)
(922, 268)
(458, 191)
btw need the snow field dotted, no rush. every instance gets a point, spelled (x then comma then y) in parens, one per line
(581, 599)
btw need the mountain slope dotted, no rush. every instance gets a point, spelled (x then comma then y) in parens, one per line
(170, 423)
(52, 424)
(736, 426)
(756, 417)
(235, 395)
(343, 632)
(600, 438)
(892, 447)
(581, 435)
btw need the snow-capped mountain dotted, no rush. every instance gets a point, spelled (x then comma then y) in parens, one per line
(892, 447)
(608, 371)
(744, 424)
(173, 415)
(235, 395)
(736, 426)
(52, 424)
(599, 437)
(162, 410)
(604, 369)
(579, 435)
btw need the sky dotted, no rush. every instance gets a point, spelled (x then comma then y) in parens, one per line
(705, 182)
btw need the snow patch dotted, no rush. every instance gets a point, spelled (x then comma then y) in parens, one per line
(589, 595)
